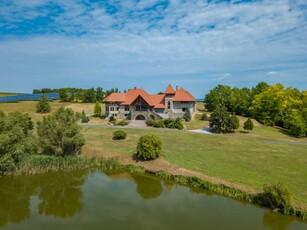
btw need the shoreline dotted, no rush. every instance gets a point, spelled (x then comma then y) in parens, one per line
(33, 165)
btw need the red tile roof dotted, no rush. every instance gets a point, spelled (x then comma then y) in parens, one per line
(133, 94)
(115, 97)
(158, 100)
(169, 90)
(183, 95)
(155, 100)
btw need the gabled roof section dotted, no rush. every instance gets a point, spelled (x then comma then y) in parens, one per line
(170, 90)
(158, 100)
(133, 94)
(183, 95)
(115, 97)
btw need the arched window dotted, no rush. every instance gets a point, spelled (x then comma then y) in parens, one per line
(169, 105)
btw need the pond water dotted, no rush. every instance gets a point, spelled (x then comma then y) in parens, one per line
(119, 200)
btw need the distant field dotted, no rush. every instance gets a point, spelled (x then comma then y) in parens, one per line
(4, 94)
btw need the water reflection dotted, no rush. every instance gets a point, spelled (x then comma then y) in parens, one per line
(14, 200)
(147, 187)
(59, 193)
(274, 221)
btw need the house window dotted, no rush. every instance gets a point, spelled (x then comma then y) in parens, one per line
(126, 108)
(113, 108)
(169, 105)
(184, 109)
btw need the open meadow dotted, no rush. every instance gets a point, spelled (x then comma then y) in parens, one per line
(264, 155)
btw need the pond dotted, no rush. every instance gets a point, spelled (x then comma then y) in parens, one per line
(119, 200)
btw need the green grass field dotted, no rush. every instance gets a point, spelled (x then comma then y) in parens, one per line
(242, 161)
(250, 159)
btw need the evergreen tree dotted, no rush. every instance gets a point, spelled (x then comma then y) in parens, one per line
(248, 124)
(97, 109)
(43, 105)
(84, 118)
(187, 115)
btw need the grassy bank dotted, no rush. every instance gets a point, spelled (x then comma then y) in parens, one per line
(250, 163)
(36, 164)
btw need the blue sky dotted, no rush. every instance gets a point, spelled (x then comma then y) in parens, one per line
(149, 43)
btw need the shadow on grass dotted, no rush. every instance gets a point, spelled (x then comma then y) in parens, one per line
(243, 131)
(137, 159)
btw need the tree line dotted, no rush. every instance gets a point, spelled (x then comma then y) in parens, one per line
(272, 105)
(78, 94)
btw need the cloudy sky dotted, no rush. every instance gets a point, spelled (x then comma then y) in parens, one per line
(149, 43)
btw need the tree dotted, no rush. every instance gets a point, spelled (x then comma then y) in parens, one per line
(63, 94)
(84, 118)
(90, 96)
(234, 123)
(218, 119)
(15, 139)
(59, 133)
(296, 124)
(149, 147)
(99, 94)
(217, 96)
(97, 109)
(248, 124)
(43, 105)
(187, 115)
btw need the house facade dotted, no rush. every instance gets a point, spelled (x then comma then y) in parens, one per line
(137, 104)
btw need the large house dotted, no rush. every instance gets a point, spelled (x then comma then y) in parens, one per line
(137, 104)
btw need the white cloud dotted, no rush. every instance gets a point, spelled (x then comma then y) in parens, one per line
(186, 37)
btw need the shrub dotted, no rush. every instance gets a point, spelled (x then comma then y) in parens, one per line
(84, 118)
(178, 124)
(204, 117)
(119, 135)
(43, 105)
(276, 196)
(150, 122)
(187, 115)
(248, 124)
(159, 124)
(149, 147)
(112, 120)
(122, 123)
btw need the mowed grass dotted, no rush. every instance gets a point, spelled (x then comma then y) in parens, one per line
(242, 161)
(196, 123)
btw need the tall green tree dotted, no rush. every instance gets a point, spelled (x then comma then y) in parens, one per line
(97, 109)
(99, 94)
(63, 94)
(43, 105)
(16, 140)
(90, 96)
(218, 96)
(59, 133)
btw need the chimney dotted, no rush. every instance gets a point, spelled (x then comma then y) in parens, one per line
(176, 87)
